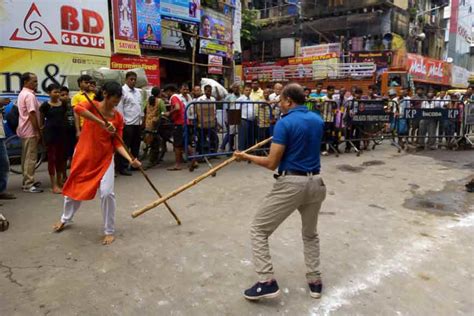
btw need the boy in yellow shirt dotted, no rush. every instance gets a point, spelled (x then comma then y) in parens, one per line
(83, 82)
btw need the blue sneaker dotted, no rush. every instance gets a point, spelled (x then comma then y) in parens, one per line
(262, 290)
(315, 289)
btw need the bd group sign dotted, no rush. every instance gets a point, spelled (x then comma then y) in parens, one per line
(81, 26)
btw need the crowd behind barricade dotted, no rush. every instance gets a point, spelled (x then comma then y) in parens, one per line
(202, 123)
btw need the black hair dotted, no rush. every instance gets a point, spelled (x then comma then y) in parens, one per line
(358, 91)
(25, 77)
(307, 89)
(319, 83)
(254, 80)
(83, 78)
(131, 74)
(205, 17)
(184, 84)
(111, 88)
(207, 86)
(64, 89)
(155, 91)
(53, 86)
(420, 88)
(294, 92)
(330, 88)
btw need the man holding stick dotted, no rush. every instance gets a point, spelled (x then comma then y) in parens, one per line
(295, 150)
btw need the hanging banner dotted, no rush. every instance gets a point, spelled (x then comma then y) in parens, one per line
(149, 23)
(48, 66)
(181, 10)
(216, 28)
(237, 25)
(151, 65)
(428, 70)
(125, 27)
(214, 60)
(81, 26)
(381, 59)
(459, 77)
(323, 49)
(310, 59)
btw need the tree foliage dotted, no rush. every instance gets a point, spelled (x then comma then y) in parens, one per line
(250, 27)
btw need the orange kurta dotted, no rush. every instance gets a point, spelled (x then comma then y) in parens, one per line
(93, 155)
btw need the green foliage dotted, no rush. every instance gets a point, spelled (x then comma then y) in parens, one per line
(250, 27)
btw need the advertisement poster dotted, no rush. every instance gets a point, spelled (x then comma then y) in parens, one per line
(216, 28)
(214, 60)
(170, 38)
(323, 49)
(149, 23)
(237, 25)
(151, 65)
(125, 27)
(428, 70)
(181, 10)
(48, 66)
(381, 59)
(325, 68)
(310, 59)
(81, 26)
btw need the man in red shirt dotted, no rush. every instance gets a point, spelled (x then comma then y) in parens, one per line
(178, 104)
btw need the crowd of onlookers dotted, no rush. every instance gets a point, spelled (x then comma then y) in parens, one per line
(242, 117)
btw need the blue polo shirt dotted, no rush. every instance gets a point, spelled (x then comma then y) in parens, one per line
(300, 131)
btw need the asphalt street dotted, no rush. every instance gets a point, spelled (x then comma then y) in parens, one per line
(396, 231)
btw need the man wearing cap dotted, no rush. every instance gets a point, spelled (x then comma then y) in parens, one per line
(295, 150)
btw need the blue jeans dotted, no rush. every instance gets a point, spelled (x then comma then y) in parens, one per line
(4, 166)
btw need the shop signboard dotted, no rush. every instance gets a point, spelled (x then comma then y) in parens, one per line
(81, 26)
(125, 27)
(149, 23)
(429, 70)
(181, 10)
(151, 65)
(322, 49)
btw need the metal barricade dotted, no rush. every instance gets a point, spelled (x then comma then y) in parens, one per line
(332, 113)
(430, 121)
(369, 121)
(216, 128)
(467, 126)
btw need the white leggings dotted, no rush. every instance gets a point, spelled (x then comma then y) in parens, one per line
(107, 202)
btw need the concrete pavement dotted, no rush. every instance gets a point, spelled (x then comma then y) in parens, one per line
(396, 236)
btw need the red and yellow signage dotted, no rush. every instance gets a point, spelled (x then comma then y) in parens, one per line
(429, 70)
(151, 65)
(310, 59)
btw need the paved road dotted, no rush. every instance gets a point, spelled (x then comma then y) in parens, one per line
(396, 238)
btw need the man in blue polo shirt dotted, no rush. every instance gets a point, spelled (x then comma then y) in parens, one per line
(295, 150)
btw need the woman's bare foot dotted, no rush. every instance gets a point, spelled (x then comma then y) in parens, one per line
(108, 239)
(57, 190)
(58, 227)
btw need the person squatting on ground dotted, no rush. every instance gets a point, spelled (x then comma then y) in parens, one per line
(93, 162)
(295, 150)
(53, 121)
(29, 131)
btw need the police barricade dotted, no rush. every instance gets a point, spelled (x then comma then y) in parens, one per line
(332, 113)
(430, 122)
(467, 128)
(367, 121)
(216, 128)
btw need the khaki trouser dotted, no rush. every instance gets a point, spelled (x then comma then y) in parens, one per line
(305, 193)
(29, 155)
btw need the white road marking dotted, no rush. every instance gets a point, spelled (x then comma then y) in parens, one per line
(404, 260)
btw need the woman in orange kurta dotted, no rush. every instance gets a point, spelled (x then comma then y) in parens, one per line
(93, 164)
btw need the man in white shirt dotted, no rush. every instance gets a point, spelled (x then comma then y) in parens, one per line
(247, 125)
(206, 123)
(130, 107)
(275, 100)
(428, 126)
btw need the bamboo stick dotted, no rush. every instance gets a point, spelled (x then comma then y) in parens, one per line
(120, 140)
(196, 180)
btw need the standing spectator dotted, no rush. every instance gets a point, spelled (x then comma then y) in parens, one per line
(443, 101)
(229, 109)
(206, 123)
(246, 128)
(256, 94)
(176, 114)
(53, 120)
(83, 82)
(327, 112)
(130, 107)
(318, 94)
(4, 162)
(372, 93)
(70, 132)
(416, 104)
(275, 101)
(428, 126)
(153, 111)
(402, 123)
(29, 131)
(353, 130)
(197, 92)
(263, 117)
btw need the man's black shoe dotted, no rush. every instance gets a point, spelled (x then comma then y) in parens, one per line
(125, 172)
(262, 290)
(315, 289)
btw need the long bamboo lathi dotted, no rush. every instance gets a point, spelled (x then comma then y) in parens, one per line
(195, 181)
